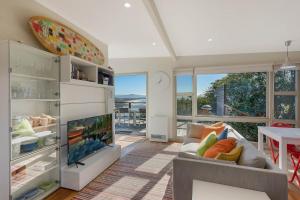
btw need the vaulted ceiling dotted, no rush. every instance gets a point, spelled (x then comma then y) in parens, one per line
(160, 28)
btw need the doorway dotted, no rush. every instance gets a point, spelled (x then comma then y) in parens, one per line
(131, 104)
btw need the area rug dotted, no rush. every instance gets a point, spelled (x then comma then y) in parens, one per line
(145, 172)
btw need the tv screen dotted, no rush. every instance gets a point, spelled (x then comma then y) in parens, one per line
(86, 136)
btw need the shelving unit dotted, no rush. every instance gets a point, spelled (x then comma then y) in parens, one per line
(81, 72)
(31, 80)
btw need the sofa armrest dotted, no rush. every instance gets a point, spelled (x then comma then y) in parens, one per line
(272, 182)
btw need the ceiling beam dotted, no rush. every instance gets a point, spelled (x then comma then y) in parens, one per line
(154, 14)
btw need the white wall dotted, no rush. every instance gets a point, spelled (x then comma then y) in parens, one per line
(14, 16)
(160, 102)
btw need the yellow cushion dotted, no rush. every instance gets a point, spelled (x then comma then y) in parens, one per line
(233, 155)
(206, 143)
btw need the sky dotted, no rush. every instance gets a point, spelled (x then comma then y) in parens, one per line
(130, 84)
(136, 84)
(184, 82)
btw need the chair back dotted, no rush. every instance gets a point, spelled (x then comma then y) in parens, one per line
(282, 125)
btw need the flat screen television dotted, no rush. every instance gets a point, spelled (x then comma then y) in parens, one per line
(86, 136)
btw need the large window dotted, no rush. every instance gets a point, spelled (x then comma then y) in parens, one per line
(184, 94)
(244, 100)
(235, 94)
(285, 95)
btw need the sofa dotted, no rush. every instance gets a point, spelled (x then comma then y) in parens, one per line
(253, 171)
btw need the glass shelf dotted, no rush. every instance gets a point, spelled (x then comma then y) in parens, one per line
(34, 99)
(38, 175)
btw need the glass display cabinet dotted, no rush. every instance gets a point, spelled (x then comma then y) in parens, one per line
(34, 124)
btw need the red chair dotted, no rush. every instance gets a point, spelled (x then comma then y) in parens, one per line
(295, 155)
(291, 149)
(274, 144)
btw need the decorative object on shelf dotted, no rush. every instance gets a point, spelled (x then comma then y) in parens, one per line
(62, 40)
(161, 80)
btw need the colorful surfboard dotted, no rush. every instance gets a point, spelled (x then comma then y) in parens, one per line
(61, 40)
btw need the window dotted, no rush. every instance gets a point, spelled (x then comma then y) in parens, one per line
(181, 127)
(242, 100)
(234, 94)
(184, 94)
(285, 95)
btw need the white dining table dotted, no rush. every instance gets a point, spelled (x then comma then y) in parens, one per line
(284, 136)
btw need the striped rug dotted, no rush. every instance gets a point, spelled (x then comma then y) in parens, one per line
(144, 172)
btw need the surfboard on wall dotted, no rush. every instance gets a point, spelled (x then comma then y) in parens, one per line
(62, 40)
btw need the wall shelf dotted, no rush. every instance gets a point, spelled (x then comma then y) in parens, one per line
(42, 100)
(31, 178)
(33, 77)
(32, 154)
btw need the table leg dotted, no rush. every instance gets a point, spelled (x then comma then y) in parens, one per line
(260, 141)
(283, 155)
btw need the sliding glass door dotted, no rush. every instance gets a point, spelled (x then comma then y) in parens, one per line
(131, 104)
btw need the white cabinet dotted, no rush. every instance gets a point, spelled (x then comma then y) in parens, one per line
(30, 113)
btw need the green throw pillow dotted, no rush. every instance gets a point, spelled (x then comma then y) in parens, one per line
(207, 142)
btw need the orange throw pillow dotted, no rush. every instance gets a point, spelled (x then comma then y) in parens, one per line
(218, 124)
(222, 146)
(206, 130)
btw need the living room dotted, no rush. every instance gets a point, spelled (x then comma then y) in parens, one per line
(149, 99)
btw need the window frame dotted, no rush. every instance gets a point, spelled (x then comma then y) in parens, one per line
(270, 94)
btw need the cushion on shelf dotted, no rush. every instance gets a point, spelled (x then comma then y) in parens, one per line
(206, 143)
(223, 135)
(222, 146)
(233, 155)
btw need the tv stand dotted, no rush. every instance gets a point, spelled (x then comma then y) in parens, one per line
(75, 178)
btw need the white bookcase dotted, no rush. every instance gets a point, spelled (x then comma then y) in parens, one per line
(29, 144)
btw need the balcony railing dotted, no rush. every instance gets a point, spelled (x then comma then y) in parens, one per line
(130, 116)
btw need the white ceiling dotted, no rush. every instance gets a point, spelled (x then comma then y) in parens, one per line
(235, 26)
(129, 32)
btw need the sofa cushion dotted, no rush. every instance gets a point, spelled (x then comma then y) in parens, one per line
(233, 155)
(200, 131)
(223, 135)
(208, 129)
(251, 156)
(206, 143)
(222, 146)
(190, 145)
(218, 124)
(196, 157)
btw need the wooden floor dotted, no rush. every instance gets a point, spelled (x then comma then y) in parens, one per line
(143, 172)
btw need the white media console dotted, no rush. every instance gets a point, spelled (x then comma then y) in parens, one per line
(76, 178)
(82, 99)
